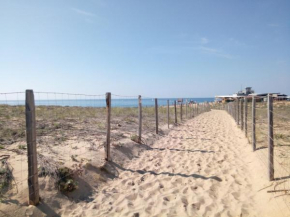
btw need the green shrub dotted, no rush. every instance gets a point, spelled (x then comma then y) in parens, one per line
(66, 181)
(22, 147)
(135, 138)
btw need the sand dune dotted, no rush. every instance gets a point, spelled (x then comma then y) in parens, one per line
(204, 167)
(200, 169)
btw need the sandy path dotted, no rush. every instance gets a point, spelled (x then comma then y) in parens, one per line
(197, 170)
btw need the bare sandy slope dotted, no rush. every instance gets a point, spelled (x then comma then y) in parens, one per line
(202, 168)
(205, 167)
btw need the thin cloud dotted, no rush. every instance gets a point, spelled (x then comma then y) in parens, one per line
(237, 42)
(204, 40)
(275, 25)
(215, 52)
(82, 12)
(165, 50)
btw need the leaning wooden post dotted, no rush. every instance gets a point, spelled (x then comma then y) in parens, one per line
(156, 115)
(168, 113)
(140, 118)
(108, 108)
(270, 138)
(33, 187)
(242, 114)
(246, 117)
(254, 123)
(175, 112)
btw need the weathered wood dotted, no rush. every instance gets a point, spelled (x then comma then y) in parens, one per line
(33, 186)
(238, 112)
(168, 113)
(270, 138)
(235, 111)
(242, 114)
(175, 112)
(186, 109)
(140, 118)
(156, 114)
(180, 111)
(279, 190)
(108, 140)
(254, 123)
(246, 117)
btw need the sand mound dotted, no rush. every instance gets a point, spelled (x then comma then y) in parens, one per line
(204, 167)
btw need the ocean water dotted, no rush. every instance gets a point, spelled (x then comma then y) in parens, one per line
(102, 103)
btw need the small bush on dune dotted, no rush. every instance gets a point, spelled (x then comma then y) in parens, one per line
(6, 175)
(135, 138)
(66, 181)
(64, 176)
(22, 147)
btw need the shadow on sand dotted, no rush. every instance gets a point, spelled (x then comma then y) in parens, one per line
(113, 166)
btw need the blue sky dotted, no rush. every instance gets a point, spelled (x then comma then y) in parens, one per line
(156, 48)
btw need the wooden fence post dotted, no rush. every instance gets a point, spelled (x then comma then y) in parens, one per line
(254, 123)
(33, 186)
(233, 109)
(186, 109)
(236, 108)
(270, 138)
(108, 108)
(156, 114)
(175, 112)
(242, 113)
(180, 111)
(168, 113)
(246, 117)
(140, 118)
(238, 102)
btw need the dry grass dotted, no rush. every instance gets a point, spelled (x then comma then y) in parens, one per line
(281, 127)
(70, 135)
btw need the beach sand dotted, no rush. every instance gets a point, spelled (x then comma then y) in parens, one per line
(203, 167)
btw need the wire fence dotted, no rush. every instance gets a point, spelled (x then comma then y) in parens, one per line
(71, 132)
(13, 161)
(267, 130)
(56, 135)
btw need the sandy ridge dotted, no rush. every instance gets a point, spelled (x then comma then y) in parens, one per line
(197, 170)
